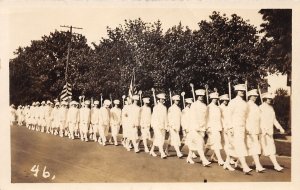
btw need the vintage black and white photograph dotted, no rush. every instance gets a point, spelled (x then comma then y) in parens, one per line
(149, 94)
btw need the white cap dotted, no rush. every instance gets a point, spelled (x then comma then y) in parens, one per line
(117, 102)
(43, 103)
(64, 103)
(252, 92)
(82, 104)
(189, 100)
(107, 102)
(240, 87)
(214, 95)
(224, 97)
(14, 105)
(96, 102)
(48, 102)
(146, 100)
(87, 102)
(135, 97)
(37, 103)
(161, 96)
(56, 100)
(73, 102)
(176, 97)
(200, 92)
(33, 103)
(268, 95)
(57, 104)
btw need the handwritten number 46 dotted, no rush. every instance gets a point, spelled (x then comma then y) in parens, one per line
(36, 170)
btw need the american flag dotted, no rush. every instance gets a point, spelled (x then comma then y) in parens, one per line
(66, 93)
(132, 87)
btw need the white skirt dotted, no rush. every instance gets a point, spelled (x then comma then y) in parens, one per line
(268, 145)
(175, 139)
(159, 137)
(214, 140)
(253, 144)
(194, 140)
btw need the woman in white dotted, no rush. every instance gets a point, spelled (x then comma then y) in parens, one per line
(197, 126)
(227, 132)
(174, 121)
(104, 120)
(13, 114)
(115, 121)
(214, 127)
(238, 114)
(125, 124)
(43, 115)
(267, 122)
(145, 122)
(253, 129)
(55, 118)
(159, 122)
(95, 120)
(72, 118)
(134, 122)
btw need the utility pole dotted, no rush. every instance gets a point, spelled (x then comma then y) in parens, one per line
(69, 47)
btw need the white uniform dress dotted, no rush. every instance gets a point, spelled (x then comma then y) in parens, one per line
(227, 131)
(115, 120)
(174, 121)
(125, 124)
(13, 115)
(159, 122)
(214, 127)
(145, 121)
(197, 125)
(48, 116)
(62, 117)
(104, 120)
(85, 119)
(267, 122)
(72, 118)
(42, 116)
(134, 115)
(55, 118)
(253, 129)
(34, 115)
(27, 115)
(238, 112)
(94, 119)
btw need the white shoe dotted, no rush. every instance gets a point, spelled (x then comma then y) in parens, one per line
(194, 155)
(206, 163)
(228, 167)
(147, 150)
(278, 168)
(190, 161)
(153, 154)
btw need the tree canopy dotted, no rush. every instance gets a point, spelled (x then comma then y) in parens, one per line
(221, 49)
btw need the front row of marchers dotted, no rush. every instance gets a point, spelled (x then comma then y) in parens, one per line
(247, 128)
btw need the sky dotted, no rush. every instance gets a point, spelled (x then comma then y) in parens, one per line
(32, 23)
(26, 22)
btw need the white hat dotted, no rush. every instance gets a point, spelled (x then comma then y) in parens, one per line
(268, 95)
(176, 97)
(106, 102)
(73, 102)
(37, 103)
(252, 92)
(87, 102)
(43, 103)
(57, 104)
(240, 87)
(135, 97)
(224, 97)
(146, 100)
(200, 92)
(82, 103)
(64, 103)
(189, 100)
(214, 95)
(12, 105)
(96, 102)
(117, 102)
(56, 100)
(33, 103)
(161, 96)
(48, 102)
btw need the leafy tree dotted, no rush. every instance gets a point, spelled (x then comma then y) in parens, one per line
(278, 32)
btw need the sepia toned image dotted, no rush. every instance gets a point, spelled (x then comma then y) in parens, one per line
(149, 94)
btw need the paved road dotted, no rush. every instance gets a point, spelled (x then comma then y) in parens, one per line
(76, 161)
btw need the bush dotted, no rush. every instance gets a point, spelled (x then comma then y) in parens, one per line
(282, 109)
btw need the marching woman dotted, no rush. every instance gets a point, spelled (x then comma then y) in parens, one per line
(115, 121)
(104, 120)
(253, 129)
(227, 132)
(134, 115)
(267, 122)
(125, 124)
(13, 114)
(174, 121)
(159, 124)
(197, 126)
(145, 122)
(95, 119)
(238, 113)
(72, 118)
(55, 119)
(214, 127)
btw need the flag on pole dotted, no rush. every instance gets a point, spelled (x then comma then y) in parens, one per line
(66, 93)
(132, 88)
